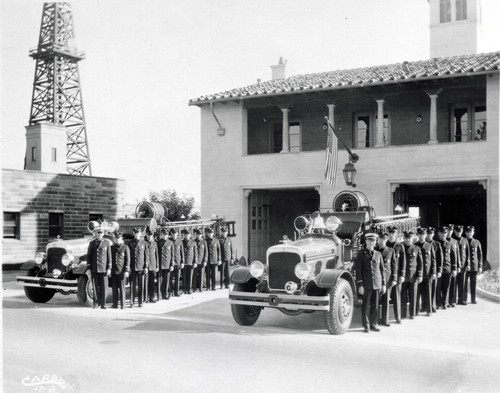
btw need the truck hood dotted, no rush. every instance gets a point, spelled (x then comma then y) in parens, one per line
(74, 246)
(309, 246)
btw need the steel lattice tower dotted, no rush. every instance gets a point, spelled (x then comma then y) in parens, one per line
(57, 96)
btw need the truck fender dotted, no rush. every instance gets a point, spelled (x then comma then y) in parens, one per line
(80, 268)
(241, 275)
(329, 278)
(28, 265)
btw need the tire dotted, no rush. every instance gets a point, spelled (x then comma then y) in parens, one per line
(244, 315)
(84, 291)
(338, 318)
(38, 295)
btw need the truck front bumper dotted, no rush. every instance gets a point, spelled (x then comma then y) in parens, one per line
(279, 300)
(45, 282)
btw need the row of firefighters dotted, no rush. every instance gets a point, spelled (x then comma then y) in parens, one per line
(425, 275)
(154, 267)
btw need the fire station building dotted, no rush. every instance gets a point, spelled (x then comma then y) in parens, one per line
(426, 132)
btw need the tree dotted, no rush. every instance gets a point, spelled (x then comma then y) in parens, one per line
(177, 207)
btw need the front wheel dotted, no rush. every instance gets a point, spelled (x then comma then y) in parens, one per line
(38, 295)
(339, 316)
(244, 315)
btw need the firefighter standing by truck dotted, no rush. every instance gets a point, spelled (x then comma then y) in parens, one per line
(190, 260)
(400, 270)
(438, 253)
(150, 277)
(138, 266)
(201, 256)
(227, 257)
(99, 259)
(165, 256)
(177, 260)
(413, 275)
(213, 260)
(391, 274)
(120, 269)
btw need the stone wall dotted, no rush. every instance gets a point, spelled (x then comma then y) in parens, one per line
(35, 194)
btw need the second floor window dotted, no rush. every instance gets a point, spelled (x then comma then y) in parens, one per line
(468, 123)
(56, 225)
(295, 137)
(366, 128)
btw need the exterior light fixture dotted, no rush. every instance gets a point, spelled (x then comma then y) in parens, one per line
(398, 209)
(349, 174)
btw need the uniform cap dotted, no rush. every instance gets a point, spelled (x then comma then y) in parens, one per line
(223, 229)
(118, 235)
(383, 235)
(451, 226)
(172, 231)
(421, 231)
(197, 231)
(137, 230)
(392, 229)
(469, 228)
(371, 236)
(431, 230)
(408, 234)
(184, 231)
(459, 227)
(443, 229)
(209, 230)
(149, 232)
(163, 231)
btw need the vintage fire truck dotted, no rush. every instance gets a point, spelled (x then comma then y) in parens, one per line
(313, 272)
(62, 267)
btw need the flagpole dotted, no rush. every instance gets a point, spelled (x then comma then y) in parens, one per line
(353, 157)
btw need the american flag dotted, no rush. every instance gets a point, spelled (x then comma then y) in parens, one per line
(331, 158)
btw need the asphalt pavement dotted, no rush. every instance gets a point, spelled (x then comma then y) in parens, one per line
(191, 344)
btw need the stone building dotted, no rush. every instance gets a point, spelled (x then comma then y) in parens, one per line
(426, 132)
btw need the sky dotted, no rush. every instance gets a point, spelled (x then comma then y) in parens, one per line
(146, 58)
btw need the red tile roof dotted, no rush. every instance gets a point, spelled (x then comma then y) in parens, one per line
(341, 79)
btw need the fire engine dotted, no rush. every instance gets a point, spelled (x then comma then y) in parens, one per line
(313, 272)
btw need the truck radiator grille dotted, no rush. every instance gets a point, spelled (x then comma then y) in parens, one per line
(54, 256)
(281, 267)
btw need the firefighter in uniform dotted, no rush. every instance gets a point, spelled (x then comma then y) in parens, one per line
(201, 257)
(400, 256)
(165, 255)
(464, 257)
(413, 275)
(476, 263)
(120, 269)
(190, 260)
(99, 258)
(452, 292)
(213, 258)
(370, 278)
(150, 277)
(449, 268)
(391, 274)
(438, 253)
(177, 260)
(429, 272)
(138, 266)
(227, 258)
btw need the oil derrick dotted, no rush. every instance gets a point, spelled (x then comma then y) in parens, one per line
(57, 96)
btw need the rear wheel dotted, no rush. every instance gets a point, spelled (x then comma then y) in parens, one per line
(38, 295)
(338, 318)
(244, 315)
(84, 291)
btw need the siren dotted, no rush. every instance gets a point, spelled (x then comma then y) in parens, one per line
(93, 225)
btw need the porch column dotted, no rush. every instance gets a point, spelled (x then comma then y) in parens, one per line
(286, 131)
(379, 138)
(433, 117)
(331, 114)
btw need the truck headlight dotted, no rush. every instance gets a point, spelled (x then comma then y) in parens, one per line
(302, 270)
(56, 273)
(66, 259)
(332, 223)
(39, 257)
(256, 269)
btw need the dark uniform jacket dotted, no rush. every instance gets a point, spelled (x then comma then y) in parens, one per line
(428, 259)
(449, 256)
(213, 251)
(99, 255)
(476, 255)
(152, 255)
(369, 269)
(390, 264)
(399, 253)
(463, 250)
(413, 263)
(226, 249)
(178, 253)
(201, 251)
(138, 255)
(190, 256)
(455, 249)
(121, 259)
(165, 253)
(438, 253)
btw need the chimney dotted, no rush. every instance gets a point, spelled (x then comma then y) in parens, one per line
(278, 71)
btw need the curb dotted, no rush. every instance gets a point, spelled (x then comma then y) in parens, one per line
(488, 295)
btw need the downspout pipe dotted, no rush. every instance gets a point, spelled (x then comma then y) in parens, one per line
(220, 130)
